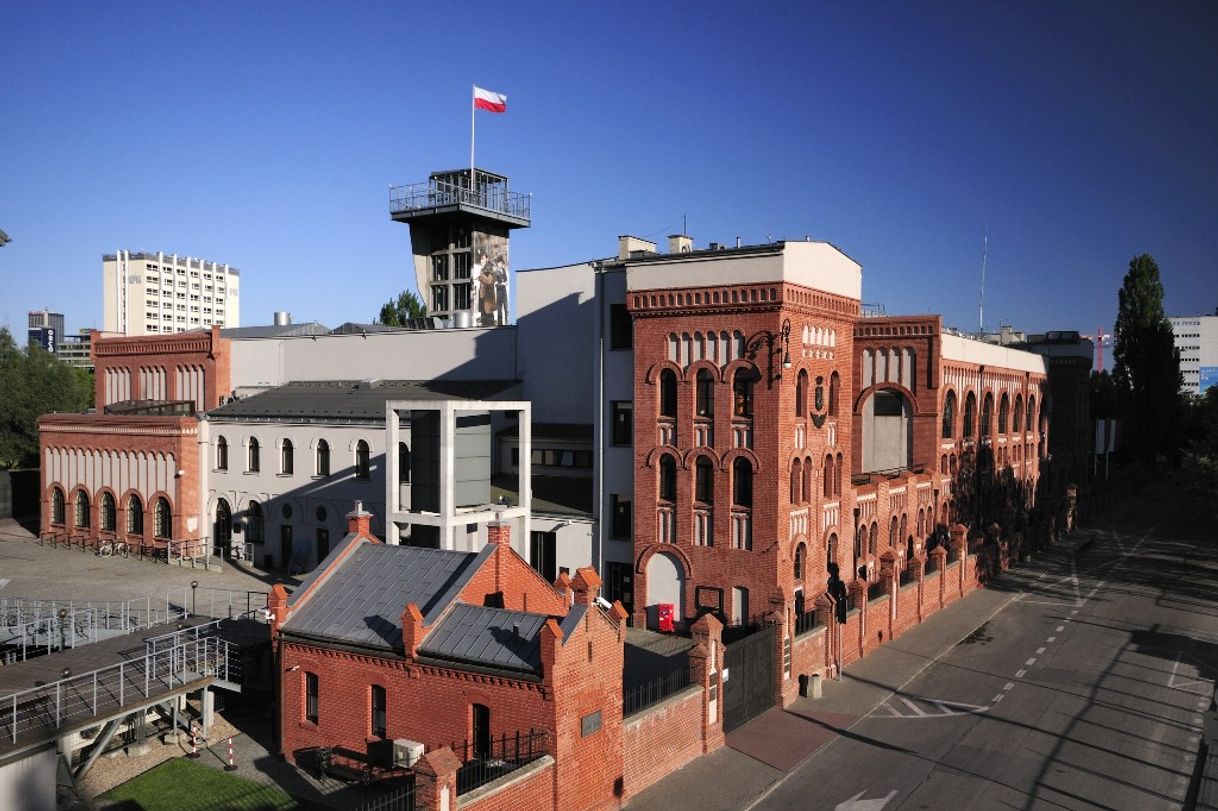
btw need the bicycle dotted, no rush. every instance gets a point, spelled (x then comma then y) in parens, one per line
(109, 548)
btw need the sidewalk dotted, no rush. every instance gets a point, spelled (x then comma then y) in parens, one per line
(761, 753)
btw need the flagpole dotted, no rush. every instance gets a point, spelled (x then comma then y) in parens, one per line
(472, 109)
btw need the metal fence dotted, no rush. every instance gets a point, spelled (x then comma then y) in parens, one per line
(79, 697)
(906, 577)
(639, 698)
(877, 590)
(932, 564)
(400, 799)
(503, 755)
(437, 193)
(806, 622)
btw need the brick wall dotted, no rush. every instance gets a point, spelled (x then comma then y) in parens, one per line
(662, 739)
(522, 587)
(427, 704)
(205, 351)
(530, 790)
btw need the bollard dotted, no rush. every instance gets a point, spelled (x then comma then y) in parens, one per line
(194, 743)
(231, 766)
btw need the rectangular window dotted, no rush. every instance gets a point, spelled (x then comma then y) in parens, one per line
(621, 516)
(589, 724)
(311, 697)
(439, 298)
(622, 419)
(378, 711)
(542, 549)
(619, 584)
(621, 335)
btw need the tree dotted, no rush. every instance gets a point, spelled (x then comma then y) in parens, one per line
(34, 382)
(1147, 371)
(400, 311)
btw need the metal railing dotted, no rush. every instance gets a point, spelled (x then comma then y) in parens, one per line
(506, 754)
(906, 577)
(877, 590)
(805, 622)
(88, 695)
(639, 698)
(438, 193)
(401, 799)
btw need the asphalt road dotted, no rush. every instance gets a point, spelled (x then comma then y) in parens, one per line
(1086, 691)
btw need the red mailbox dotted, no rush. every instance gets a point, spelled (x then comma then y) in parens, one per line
(664, 612)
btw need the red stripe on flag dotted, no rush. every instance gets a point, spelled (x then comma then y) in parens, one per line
(489, 106)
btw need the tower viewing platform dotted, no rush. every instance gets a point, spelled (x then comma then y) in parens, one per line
(450, 194)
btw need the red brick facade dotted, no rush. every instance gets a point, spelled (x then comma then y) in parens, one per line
(193, 366)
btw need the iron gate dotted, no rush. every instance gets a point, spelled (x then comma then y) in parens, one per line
(749, 689)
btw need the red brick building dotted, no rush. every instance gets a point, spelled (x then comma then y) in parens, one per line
(778, 434)
(131, 471)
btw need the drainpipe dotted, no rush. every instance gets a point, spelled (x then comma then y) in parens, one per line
(598, 540)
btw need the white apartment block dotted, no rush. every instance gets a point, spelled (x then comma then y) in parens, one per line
(159, 293)
(1196, 336)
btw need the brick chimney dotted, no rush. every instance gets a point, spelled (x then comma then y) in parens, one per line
(587, 585)
(563, 584)
(499, 532)
(412, 630)
(277, 607)
(359, 521)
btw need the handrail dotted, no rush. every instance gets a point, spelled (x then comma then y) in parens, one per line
(438, 193)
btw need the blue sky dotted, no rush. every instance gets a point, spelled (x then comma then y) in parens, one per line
(266, 135)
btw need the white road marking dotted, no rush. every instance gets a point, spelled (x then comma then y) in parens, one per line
(1184, 684)
(1008, 685)
(3, 582)
(1031, 661)
(1020, 674)
(1116, 536)
(1060, 628)
(857, 804)
(917, 710)
(1043, 575)
(1039, 651)
(999, 697)
(1051, 639)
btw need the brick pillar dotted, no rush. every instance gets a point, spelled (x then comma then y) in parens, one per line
(940, 555)
(499, 532)
(413, 630)
(858, 598)
(586, 585)
(959, 542)
(435, 781)
(786, 688)
(890, 572)
(917, 569)
(706, 671)
(824, 616)
(563, 585)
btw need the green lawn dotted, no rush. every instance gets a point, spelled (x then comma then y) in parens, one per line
(181, 785)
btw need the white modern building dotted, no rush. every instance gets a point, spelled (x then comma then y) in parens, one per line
(158, 293)
(1196, 336)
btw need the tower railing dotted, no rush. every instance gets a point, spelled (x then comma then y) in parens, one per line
(493, 197)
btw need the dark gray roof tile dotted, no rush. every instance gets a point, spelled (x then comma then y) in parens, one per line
(490, 637)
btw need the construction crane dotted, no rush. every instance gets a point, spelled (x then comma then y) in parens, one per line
(1101, 339)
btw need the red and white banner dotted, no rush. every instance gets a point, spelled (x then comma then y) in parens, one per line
(489, 100)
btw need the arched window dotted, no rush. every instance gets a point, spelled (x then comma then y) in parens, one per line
(904, 526)
(704, 481)
(221, 453)
(705, 393)
(801, 395)
(873, 539)
(860, 542)
(987, 414)
(164, 518)
(80, 510)
(800, 552)
(1004, 411)
(796, 481)
(668, 478)
(970, 413)
(742, 482)
(322, 463)
(286, 457)
(57, 506)
(1030, 422)
(893, 533)
(1017, 415)
(742, 390)
(835, 384)
(921, 523)
(949, 415)
(253, 523)
(224, 524)
(831, 550)
(403, 463)
(135, 515)
(951, 465)
(668, 393)
(362, 461)
(828, 477)
(807, 493)
(252, 463)
(839, 470)
(107, 514)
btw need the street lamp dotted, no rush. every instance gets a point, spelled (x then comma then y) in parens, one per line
(776, 343)
(63, 618)
(194, 585)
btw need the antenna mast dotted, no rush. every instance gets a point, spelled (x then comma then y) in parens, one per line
(985, 250)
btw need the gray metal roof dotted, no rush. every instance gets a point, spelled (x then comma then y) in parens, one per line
(276, 330)
(351, 400)
(361, 601)
(491, 637)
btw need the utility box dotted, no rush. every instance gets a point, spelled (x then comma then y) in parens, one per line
(664, 616)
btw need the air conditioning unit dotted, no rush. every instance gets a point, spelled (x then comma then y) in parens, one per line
(406, 752)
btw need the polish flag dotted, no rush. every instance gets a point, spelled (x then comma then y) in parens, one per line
(489, 100)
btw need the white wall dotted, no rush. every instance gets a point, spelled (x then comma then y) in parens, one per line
(29, 784)
(556, 340)
(449, 354)
(957, 347)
